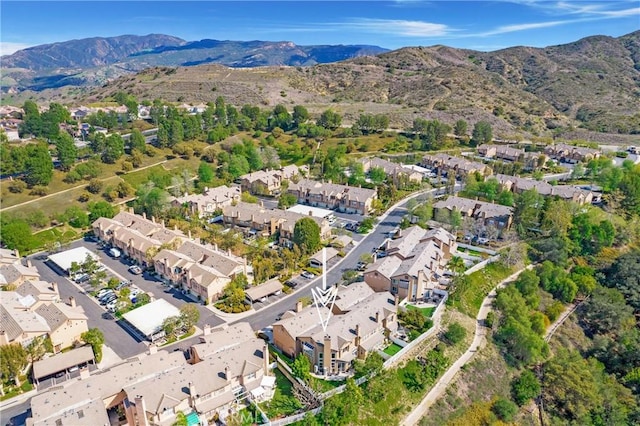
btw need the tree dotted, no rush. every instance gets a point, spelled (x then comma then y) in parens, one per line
(170, 326)
(38, 347)
(67, 151)
(13, 359)
(95, 186)
(527, 284)
(460, 128)
(504, 409)
(95, 338)
(137, 141)
(205, 173)
(455, 333)
(181, 420)
(306, 235)
(189, 315)
(606, 312)
(38, 165)
(330, 119)
(16, 235)
(456, 265)
(302, 367)
(114, 148)
(300, 114)
(525, 387)
(377, 175)
(624, 275)
(287, 200)
(482, 133)
(151, 200)
(527, 211)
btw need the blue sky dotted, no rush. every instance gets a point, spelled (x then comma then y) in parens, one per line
(480, 25)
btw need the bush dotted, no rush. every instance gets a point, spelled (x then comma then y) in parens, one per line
(455, 334)
(525, 387)
(39, 190)
(505, 409)
(127, 166)
(84, 197)
(95, 186)
(17, 186)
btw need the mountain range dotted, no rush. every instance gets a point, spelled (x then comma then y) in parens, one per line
(592, 83)
(98, 59)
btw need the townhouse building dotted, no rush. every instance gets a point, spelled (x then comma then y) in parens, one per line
(444, 164)
(151, 389)
(136, 236)
(267, 222)
(414, 263)
(210, 201)
(489, 214)
(268, 182)
(201, 270)
(344, 198)
(571, 154)
(353, 331)
(518, 185)
(398, 173)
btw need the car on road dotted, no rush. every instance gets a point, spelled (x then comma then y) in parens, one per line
(361, 266)
(291, 284)
(123, 284)
(114, 252)
(135, 269)
(308, 275)
(483, 240)
(279, 317)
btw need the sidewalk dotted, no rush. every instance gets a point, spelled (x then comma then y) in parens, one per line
(479, 339)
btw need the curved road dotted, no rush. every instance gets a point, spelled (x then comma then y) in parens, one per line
(479, 339)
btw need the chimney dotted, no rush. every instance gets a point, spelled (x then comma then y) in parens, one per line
(175, 227)
(153, 349)
(190, 234)
(377, 317)
(206, 330)
(72, 301)
(265, 358)
(310, 213)
(141, 411)
(229, 252)
(227, 374)
(54, 287)
(153, 219)
(162, 223)
(192, 393)
(206, 189)
(144, 215)
(327, 354)
(299, 306)
(215, 246)
(396, 300)
(29, 264)
(261, 203)
(17, 253)
(85, 374)
(358, 330)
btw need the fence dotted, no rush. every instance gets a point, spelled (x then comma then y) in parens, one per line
(294, 418)
(476, 248)
(482, 264)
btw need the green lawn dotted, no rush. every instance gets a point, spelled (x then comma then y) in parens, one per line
(283, 402)
(392, 349)
(427, 312)
(468, 294)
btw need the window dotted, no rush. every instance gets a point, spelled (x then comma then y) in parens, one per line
(251, 376)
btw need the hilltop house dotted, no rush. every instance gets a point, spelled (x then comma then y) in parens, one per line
(267, 182)
(398, 173)
(443, 164)
(571, 154)
(566, 192)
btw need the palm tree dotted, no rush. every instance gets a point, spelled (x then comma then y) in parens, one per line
(456, 265)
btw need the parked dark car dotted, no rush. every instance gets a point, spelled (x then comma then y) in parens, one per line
(291, 284)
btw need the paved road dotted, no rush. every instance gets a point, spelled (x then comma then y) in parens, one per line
(15, 414)
(267, 315)
(479, 339)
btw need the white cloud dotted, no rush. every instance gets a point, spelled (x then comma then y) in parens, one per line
(400, 27)
(7, 47)
(524, 27)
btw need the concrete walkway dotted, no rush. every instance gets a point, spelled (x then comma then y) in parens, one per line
(479, 339)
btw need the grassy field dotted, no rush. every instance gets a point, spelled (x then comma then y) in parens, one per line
(392, 349)
(427, 312)
(469, 293)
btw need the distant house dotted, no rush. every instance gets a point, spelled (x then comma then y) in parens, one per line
(444, 164)
(344, 198)
(571, 154)
(267, 182)
(316, 260)
(211, 200)
(396, 172)
(566, 192)
(490, 214)
(501, 152)
(264, 290)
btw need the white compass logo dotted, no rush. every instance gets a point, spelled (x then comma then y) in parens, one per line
(324, 297)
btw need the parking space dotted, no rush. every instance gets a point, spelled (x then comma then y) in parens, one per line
(62, 377)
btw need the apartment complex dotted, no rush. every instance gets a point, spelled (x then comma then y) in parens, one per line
(266, 222)
(210, 201)
(490, 214)
(414, 263)
(136, 236)
(344, 198)
(359, 326)
(398, 173)
(530, 160)
(200, 269)
(231, 366)
(268, 182)
(566, 192)
(444, 164)
(36, 311)
(571, 154)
